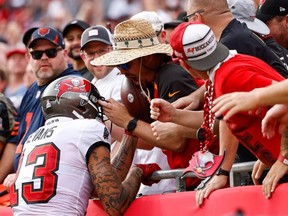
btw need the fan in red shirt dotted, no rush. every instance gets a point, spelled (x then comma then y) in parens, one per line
(225, 71)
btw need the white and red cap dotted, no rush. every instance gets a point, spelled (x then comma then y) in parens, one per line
(196, 44)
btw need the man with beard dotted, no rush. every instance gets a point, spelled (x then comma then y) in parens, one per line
(72, 36)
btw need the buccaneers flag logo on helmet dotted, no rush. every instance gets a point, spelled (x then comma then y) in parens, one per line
(75, 85)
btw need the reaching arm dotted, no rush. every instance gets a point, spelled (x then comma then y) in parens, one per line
(229, 143)
(244, 101)
(278, 169)
(191, 101)
(162, 110)
(143, 130)
(115, 195)
(122, 160)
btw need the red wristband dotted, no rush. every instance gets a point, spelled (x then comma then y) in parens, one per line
(282, 159)
(129, 133)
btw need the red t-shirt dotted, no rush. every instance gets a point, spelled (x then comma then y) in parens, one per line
(245, 73)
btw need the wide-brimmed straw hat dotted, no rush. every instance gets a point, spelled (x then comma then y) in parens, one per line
(132, 39)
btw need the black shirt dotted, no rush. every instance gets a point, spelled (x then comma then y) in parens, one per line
(237, 36)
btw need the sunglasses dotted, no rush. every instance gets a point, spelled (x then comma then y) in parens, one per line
(186, 18)
(123, 66)
(50, 53)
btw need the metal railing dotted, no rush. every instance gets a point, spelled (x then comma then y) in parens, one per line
(180, 182)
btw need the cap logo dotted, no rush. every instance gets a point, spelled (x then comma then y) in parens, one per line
(93, 32)
(43, 31)
(72, 85)
(204, 45)
(56, 40)
(204, 48)
(281, 9)
(191, 49)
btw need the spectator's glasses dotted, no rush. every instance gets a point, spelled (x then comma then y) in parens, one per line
(123, 66)
(50, 53)
(99, 52)
(158, 32)
(186, 18)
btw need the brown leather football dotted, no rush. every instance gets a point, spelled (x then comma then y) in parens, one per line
(135, 101)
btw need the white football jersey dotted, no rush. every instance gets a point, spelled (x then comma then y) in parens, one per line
(53, 178)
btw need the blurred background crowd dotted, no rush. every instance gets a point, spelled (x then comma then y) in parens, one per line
(16, 16)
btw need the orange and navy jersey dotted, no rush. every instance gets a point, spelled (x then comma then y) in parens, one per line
(30, 116)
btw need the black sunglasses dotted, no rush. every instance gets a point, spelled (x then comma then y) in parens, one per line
(123, 66)
(50, 53)
(186, 18)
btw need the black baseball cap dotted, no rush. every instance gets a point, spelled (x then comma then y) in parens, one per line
(272, 8)
(49, 34)
(75, 23)
(96, 33)
(27, 35)
(178, 21)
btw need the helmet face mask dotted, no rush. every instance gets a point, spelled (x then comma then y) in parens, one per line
(71, 96)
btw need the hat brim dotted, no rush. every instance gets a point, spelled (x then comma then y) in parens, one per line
(118, 57)
(32, 43)
(96, 40)
(16, 51)
(220, 53)
(173, 24)
(264, 17)
(27, 35)
(256, 26)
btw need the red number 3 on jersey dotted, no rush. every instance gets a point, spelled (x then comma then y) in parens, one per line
(45, 172)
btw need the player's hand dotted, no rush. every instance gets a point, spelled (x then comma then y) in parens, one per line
(277, 171)
(9, 181)
(257, 171)
(215, 183)
(116, 112)
(275, 117)
(161, 110)
(148, 170)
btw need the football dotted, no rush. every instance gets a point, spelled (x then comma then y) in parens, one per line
(135, 101)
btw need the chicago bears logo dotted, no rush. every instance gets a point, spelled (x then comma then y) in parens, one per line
(72, 85)
(43, 31)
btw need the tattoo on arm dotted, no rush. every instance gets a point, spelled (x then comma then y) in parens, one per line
(124, 156)
(114, 195)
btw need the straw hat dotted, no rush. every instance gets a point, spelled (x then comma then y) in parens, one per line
(132, 39)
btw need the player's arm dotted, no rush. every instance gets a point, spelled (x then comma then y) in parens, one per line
(114, 195)
(122, 160)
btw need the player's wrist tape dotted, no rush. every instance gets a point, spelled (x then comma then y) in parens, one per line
(283, 159)
(222, 172)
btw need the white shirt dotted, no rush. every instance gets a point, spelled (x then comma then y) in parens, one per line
(154, 155)
(53, 178)
(110, 85)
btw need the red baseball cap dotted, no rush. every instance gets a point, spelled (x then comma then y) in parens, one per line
(196, 44)
(15, 51)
